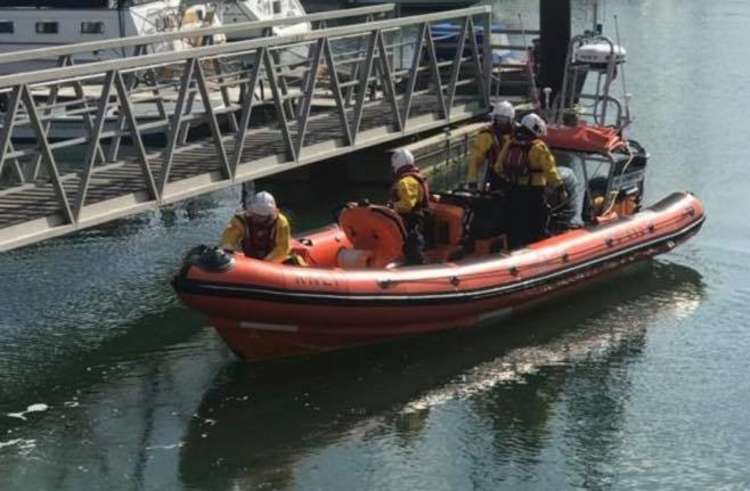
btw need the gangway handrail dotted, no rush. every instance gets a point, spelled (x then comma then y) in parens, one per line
(156, 59)
(212, 138)
(133, 41)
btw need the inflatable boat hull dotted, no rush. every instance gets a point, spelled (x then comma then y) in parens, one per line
(265, 310)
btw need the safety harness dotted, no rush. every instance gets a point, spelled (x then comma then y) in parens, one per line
(259, 239)
(517, 164)
(496, 147)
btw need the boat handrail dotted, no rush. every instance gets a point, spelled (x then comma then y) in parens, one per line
(135, 41)
(570, 93)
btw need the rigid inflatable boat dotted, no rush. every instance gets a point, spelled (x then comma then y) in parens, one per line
(355, 291)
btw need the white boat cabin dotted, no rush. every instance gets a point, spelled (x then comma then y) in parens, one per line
(29, 24)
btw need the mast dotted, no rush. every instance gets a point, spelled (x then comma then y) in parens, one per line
(121, 6)
(554, 23)
(596, 9)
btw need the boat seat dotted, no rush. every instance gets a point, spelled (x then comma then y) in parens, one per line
(447, 224)
(492, 245)
(375, 229)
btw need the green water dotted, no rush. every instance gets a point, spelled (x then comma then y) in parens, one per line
(637, 382)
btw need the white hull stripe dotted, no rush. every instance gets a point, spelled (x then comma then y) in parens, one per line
(496, 315)
(262, 326)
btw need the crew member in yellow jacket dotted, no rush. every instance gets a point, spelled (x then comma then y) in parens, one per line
(410, 198)
(487, 145)
(261, 231)
(528, 166)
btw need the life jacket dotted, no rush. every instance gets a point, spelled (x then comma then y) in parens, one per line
(516, 164)
(495, 149)
(259, 239)
(412, 171)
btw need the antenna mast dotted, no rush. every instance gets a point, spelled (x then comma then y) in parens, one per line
(595, 26)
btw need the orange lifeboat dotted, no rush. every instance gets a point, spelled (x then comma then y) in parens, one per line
(354, 290)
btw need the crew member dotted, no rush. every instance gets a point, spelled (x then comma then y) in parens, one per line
(565, 202)
(261, 231)
(528, 166)
(573, 196)
(410, 199)
(487, 146)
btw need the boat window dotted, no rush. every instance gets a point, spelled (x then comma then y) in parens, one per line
(277, 7)
(92, 27)
(59, 4)
(46, 27)
(165, 23)
(6, 27)
(593, 165)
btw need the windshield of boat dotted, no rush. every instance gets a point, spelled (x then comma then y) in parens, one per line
(597, 172)
(585, 165)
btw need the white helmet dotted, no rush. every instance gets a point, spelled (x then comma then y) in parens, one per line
(503, 109)
(534, 124)
(263, 204)
(401, 158)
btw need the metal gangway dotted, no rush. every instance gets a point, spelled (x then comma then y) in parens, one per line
(383, 80)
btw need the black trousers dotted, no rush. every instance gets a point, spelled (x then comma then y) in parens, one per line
(415, 243)
(527, 215)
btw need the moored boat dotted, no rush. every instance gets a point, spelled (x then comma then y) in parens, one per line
(42, 24)
(39, 24)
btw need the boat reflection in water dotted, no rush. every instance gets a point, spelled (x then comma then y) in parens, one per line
(484, 396)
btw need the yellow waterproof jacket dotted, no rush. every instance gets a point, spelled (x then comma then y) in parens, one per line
(542, 167)
(237, 231)
(408, 194)
(480, 152)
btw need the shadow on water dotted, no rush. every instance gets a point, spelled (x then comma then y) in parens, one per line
(91, 299)
(76, 370)
(79, 305)
(257, 423)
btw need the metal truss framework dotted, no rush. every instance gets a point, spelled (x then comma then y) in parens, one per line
(383, 79)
